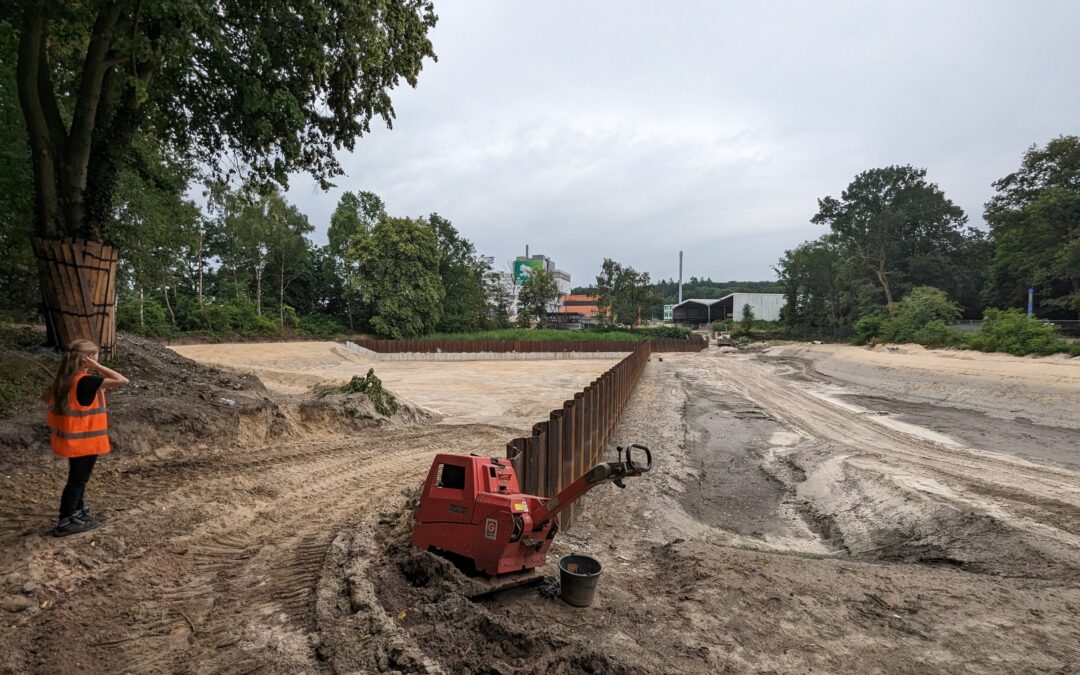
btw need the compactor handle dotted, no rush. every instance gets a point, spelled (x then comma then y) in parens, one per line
(630, 457)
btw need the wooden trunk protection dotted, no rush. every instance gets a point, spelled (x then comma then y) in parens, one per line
(78, 289)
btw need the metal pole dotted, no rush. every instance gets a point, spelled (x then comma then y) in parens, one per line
(680, 277)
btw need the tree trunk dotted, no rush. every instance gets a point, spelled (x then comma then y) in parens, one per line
(168, 305)
(200, 254)
(885, 284)
(281, 297)
(258, 290)
(78, 289)
(142, 303)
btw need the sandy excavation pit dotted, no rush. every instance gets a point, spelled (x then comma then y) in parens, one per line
(813, 508)
(504, 393)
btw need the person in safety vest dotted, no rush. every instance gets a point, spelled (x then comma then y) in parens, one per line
(79, 427)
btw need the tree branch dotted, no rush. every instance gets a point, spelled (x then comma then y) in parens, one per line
(47, 96)
(77, 155)
(31, 46)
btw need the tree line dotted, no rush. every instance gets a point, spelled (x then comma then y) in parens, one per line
(891, 231)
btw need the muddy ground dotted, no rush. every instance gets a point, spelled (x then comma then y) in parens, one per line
(796, 521)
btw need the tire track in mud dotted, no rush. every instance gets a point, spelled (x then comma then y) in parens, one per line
(229, 587)
(1041, 503)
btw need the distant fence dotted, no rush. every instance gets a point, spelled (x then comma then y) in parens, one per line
(1070, 327)
(694, 344)
(572, 439)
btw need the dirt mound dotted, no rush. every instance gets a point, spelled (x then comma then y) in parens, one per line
(172, 405)
(385, 606)
(179, 408)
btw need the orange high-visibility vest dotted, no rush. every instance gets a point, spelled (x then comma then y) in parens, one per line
(82, 429)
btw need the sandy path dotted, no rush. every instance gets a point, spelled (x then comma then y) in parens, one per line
(211, 566)
(507, 393)
(1041, 389)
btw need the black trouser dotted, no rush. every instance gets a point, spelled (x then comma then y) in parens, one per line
(79, 469)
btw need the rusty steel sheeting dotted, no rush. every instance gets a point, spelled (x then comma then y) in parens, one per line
(695, 344)
(572, 440)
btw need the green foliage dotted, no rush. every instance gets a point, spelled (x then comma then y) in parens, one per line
(867, 328)
(896, 224)
(144, 317)
(823, 286)
(354, 215)
(18, 274)
(399, 276)
(912, 314)
(27, 371)
(154, 70)
(660, 332)
(370, 386)
(936, 334)
(704, 288)
(625, 293)
(462, 272)
(234, 317)
(747, 322)
(1013, 331)
(1035, 227)
(321, 326)
(537, 293)
(499, 290)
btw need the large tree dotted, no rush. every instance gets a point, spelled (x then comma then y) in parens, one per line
(536, 294)
(625, 294)
(398, 260)
(463, 272)
(823, 286)
(355, 213)
(259, 89)
(899, 225)
(1035, 229)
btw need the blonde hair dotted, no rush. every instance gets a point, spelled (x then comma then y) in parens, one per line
(71, 362)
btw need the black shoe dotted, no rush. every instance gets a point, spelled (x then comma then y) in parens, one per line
(84, 514)
(73, 525)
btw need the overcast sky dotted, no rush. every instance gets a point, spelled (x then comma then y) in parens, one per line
(632, 130)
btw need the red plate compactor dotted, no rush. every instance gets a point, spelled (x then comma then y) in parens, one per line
(472, 507)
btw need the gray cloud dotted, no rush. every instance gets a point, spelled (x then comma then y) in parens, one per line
(634, 129)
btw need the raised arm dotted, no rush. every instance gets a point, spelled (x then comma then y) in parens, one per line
(113, 379)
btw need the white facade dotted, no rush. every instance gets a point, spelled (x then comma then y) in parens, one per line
(766, 306)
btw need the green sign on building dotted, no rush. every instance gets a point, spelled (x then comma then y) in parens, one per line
(523, 268)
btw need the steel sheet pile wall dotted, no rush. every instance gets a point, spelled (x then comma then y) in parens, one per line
(561, 449)
(695, 344)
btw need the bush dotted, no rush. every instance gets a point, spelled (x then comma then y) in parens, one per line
(233, 317)
(867, 328)
(922, 306)
(153, 322)
(936, 334)
(320, 326)
(370, 386)
(1015, 332)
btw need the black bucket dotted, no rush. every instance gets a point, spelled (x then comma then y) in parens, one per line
(578, 576)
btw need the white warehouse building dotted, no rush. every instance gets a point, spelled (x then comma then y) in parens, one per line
(698, 311)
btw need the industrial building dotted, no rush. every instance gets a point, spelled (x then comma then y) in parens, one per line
(526, 263)
(587, 306)
(699, 311)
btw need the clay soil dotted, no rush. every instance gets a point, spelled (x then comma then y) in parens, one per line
(811, 509)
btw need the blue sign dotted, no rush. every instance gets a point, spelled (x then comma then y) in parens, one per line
(1031, 301)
